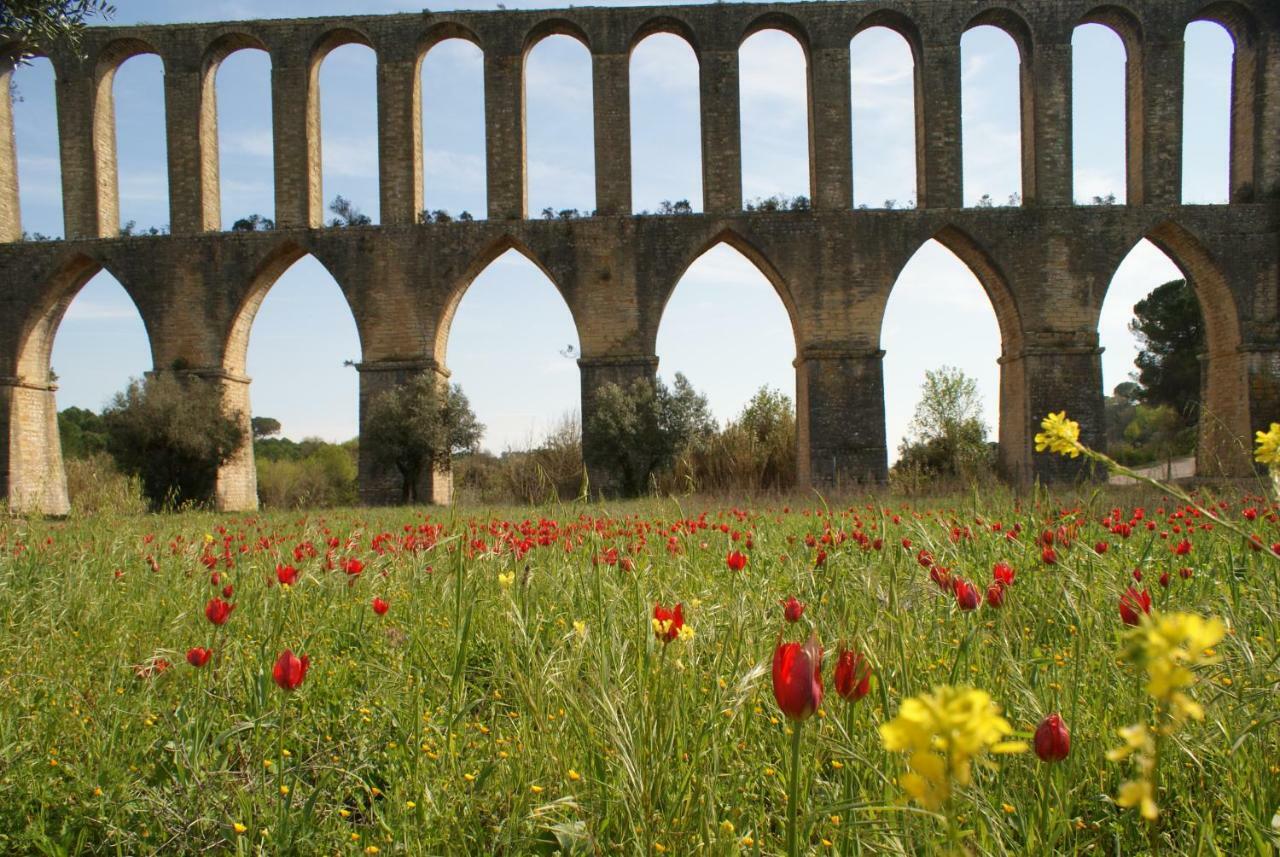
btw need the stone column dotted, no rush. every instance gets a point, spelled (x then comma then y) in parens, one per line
(504, 122)
(10, 211)
(237, 486)
(830, 129)
(597, 372)
(1047, 172)
(88, 211)
(1228, 419)
(1161, 111)
(31, 475)
(721, 131)
(399, 140)
(191, 133)
(939, 156)
(611, 92)
(1267, 104)
(1056, 376)
(379, 486)
(295, 128)
(840, 418)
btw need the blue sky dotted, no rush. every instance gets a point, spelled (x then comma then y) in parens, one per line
(725, 326)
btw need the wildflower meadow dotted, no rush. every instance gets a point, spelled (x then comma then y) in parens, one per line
(1073, 672)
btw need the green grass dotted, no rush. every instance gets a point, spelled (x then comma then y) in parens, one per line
(476, 718)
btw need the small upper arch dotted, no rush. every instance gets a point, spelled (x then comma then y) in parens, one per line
(779, 21)
(1011, 23)
(665, 24)
(443, 31)
(227, 44)
(555, 27)
(1119, 20)
(1233, 17)
(891, 19)
(115, 52)
(336, 38)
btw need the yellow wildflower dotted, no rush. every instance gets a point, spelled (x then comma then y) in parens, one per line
(944, 732)
(1167, 646)
(505, 580)
(1139, 793)
(1059, 435)
(1268, 451)
(686, 632)
(580, 628)
(239, 828)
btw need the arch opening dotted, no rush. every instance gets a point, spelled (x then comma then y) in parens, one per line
(38, 167)
(882, 68)
(666, 136)
(559, 128)
(991, 116)
(1207, 106)
(348, 106)
(748, 378)
(775, 132)
(246, 155)
(453, 131)
(946, 286)
(1099, 118)
(140, 144)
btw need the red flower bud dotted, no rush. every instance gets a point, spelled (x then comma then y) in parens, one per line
(218, 611)
(995, 595)
(792, 609)
(736, 560)
(290, 670)
(380, 607)
(287, 575)
(852, 675)
(1003, 573)
(967, 595)
(198, 657)
(1132, 604)
(1052, 739)
(797, 678)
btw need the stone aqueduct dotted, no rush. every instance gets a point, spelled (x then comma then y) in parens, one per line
(1045, 265)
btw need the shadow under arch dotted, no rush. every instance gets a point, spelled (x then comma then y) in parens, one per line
(1013, 408)
(1224, 443)
(463, 282)
(736, 240)
(281, 258)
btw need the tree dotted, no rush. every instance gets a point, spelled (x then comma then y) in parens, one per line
(41, 25)
(264, 427)
(172, 432)
(1170, 330)
(417, 427)
(82, 432)
(254, 223)
(947, 435)
(346, 213)
(637, 430)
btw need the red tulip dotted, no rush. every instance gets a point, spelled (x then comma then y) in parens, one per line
(227, 591)
(218, 611)
(352, 566)
(1101, 547)
(967, 595)
(1132, 604)
(797, 677)
(792, 609)
(198, 657)
(380, 607)
(287, 575)
(1049, 555)
(852, 675)
(995, 595)
(1003, 573)
(1052, 740)
(290, 670)
(667, 623)
(736, 560)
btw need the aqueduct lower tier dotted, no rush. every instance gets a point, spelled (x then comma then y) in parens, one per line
(1045, 270)
(1045, 265)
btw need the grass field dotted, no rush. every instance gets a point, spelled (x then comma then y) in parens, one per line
(515, 699)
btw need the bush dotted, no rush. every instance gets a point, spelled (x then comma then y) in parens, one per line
(174, 434)
(324, 477)
(96, 487)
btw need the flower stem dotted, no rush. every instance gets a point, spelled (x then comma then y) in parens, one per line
(793, 793)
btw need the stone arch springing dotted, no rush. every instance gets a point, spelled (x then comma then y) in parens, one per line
(666, 131)
(451, 46)
(1223, 445)
(764, 113)
(105, 157)
(1126, 26)
(1018, 33)
(367, 179)
(886, 137)
(209, 131)
(510, 338)
(559, 131)
(1012, 404)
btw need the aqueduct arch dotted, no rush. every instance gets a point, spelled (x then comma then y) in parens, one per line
(1045, 264)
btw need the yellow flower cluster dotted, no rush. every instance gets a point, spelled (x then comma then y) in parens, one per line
(1268, 451)
(1142, 791)
(1059, 435)
(1167, 646)
(944, 732)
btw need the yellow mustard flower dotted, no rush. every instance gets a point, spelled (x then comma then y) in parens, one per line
(944, 732)
(1167, 645)
(1268, 451)
(1059, 435)
(505, 580)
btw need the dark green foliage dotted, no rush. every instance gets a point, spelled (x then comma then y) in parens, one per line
(638, 430)
(1170, 330)
(45, 24)
(253, 223)
(306, 475)
(755, 452)
(346, 214)
(82, 432)
(417, 427)
(172, 432)
(264, 427)
(948, 439)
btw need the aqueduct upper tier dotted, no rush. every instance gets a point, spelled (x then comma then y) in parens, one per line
(1045, 265)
